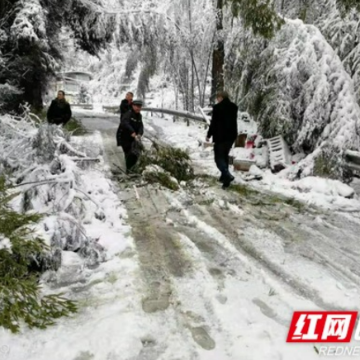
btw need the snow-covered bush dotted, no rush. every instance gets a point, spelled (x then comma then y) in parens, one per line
(156, 175)
(8, 93)
(175, 162)
(296, 86)
(21, 257)
(42, 218)
(83, 96)
(42, 163)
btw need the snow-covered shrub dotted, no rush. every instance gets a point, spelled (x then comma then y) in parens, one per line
(173, 161)
(42, 163)
(22, 255)
(83, 97)
(157, 175)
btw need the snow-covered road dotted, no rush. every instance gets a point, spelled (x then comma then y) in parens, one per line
(230, 269)
(204, 273)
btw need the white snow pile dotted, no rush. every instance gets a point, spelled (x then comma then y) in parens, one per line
(311, 185)
(326, 193)
(323, 186)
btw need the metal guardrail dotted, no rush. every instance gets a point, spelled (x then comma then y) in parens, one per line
(184, 114)
(113, 109)
(83, 106)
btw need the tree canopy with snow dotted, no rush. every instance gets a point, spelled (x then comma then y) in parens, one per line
(291, 64)
(30, 48)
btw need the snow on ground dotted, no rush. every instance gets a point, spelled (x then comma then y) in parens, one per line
(331, 194)
(111, 324)
(250, 310)
(105, 294)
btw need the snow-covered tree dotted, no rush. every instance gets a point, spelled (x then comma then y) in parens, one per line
(296, 86)
(257, 15)
(29, 40)
(283, 72)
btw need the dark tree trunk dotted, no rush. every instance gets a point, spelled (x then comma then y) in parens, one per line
(218, 58)
(33, 91)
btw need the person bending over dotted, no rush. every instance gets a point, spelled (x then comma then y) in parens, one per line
(129, 133)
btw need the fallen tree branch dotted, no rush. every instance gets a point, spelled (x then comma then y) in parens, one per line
(70, 148)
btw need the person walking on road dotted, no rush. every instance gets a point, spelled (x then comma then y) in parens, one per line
(125, 105)
(223, 130)
(59, 111)
(129, 134)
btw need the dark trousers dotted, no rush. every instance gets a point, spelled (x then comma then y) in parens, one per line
(221, 152)
(130, 158)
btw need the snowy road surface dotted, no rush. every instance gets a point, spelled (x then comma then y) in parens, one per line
(207, 274)
(224, 254)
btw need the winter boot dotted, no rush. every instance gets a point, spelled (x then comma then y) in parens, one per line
(227, 182)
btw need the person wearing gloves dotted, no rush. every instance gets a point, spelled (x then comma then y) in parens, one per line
(129, 134)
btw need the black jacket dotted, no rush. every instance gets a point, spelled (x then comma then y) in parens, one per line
(223, 127)
(59, 112)
(124, 108)
(130, 123)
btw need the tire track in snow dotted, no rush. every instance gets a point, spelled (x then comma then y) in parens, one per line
(164, 264)
(243, 234)
(171, 285)
(193, 272)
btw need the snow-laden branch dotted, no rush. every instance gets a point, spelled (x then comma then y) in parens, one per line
(43, 164)
(296, 86)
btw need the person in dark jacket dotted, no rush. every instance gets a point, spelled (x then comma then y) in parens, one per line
(223, 130)
(130, 131)
(59, 111)
(125, 105)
